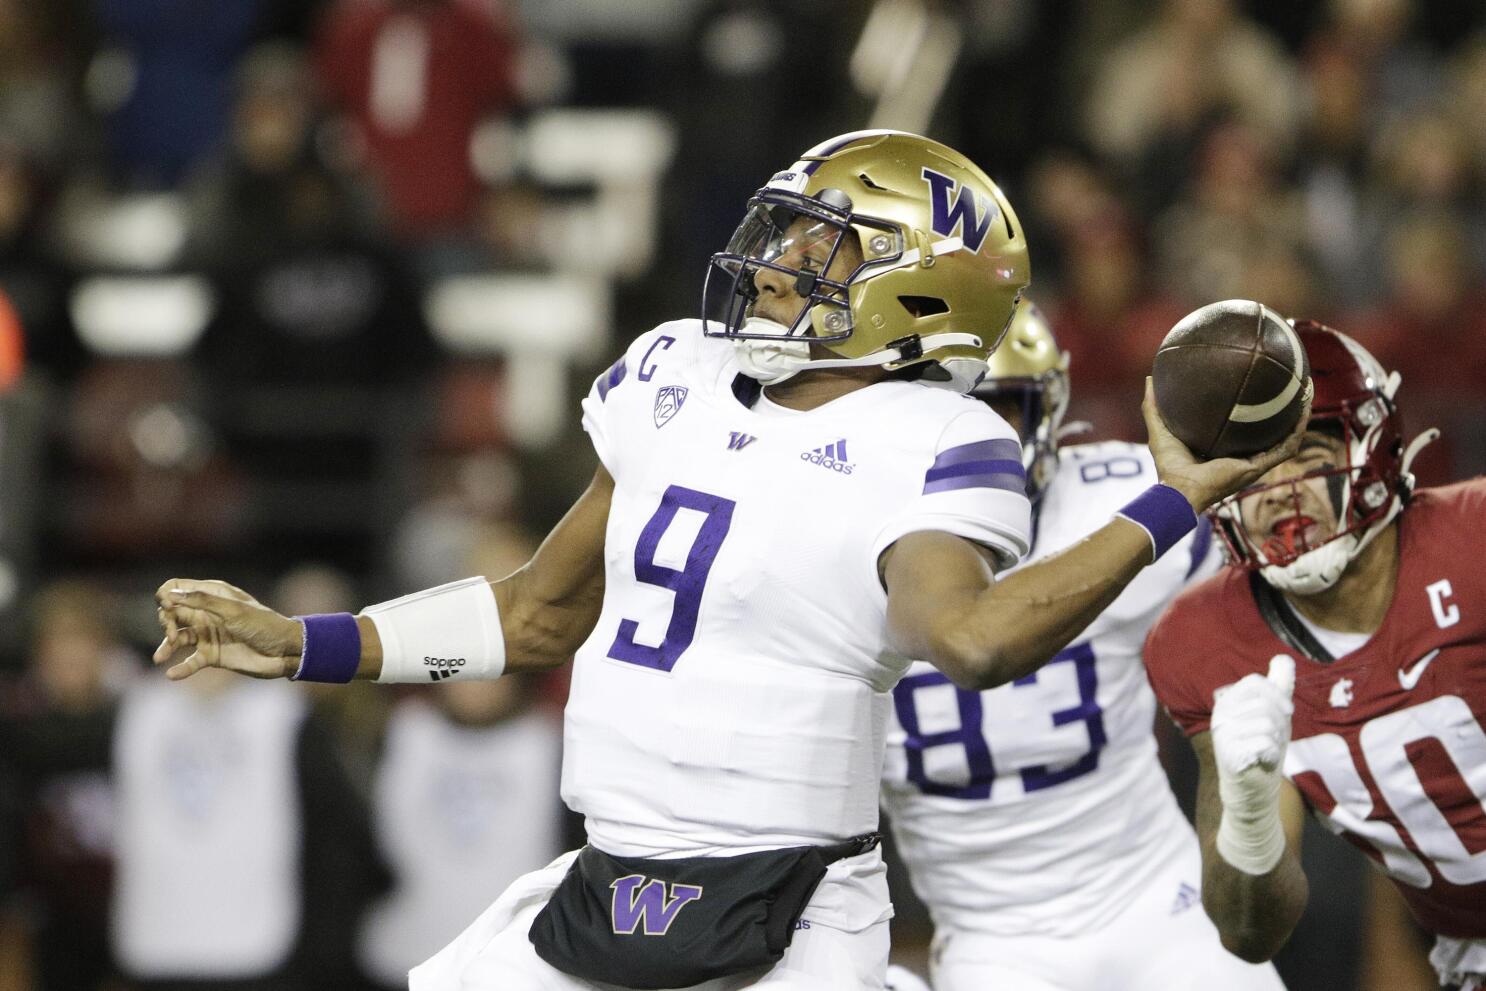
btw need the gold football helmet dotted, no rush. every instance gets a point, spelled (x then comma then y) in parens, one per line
(1027, 382)
(899, 250)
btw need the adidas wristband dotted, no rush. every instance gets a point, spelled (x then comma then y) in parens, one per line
(439, 633)
(1163, 513)
(332, 648)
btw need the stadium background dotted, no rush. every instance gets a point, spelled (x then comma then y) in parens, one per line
(303, 294)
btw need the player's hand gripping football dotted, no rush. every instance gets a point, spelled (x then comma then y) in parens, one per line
(1206, 482)
(1250, 732)
(227, 628)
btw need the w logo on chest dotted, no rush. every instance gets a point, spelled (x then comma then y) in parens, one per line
(737, 441)
(958, 210)
(649, 903)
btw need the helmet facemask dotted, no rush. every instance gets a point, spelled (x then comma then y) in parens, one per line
(1365, 492)
(808, 241)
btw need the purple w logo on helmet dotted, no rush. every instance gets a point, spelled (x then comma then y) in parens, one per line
(958, 211)
(649, 902)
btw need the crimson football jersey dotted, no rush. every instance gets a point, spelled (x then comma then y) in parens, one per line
(1387, 744)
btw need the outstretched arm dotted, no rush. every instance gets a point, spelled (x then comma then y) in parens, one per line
(547, 608)
(1254, 913)
(946, 607)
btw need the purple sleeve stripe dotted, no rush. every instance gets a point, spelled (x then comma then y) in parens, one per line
(610, 379)
(1004, 480)
(994, 466)
(985, 450)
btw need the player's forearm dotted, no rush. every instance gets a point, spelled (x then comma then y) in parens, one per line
(545, 625)
(1021, 621)
(1255, 914)
(1256, 909)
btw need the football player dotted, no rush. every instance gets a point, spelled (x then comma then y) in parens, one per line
(1035, 818)
(1340, 666)
(793, 497)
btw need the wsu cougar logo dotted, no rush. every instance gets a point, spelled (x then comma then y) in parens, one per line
(649, 902)
(960, 211)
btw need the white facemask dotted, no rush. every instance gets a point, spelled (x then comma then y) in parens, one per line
(1314, 571)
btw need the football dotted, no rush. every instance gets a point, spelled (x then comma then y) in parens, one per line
(1231, 379)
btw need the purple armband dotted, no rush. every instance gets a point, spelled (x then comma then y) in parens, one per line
(332, 648)
(1163, 513)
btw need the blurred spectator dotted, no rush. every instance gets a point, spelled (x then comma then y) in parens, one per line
(415, 78)
(464, 801)
(163, 82)
(149, 474)
(55, 746)
(1110, 317)
(463, 519)
(1432, 330)
(34, 284)
(12, 345)
(1400, 72)
(1234, 214)
(38, 114)
(1198, 59)
(311, 294)
(1468, 96)
(243, 854)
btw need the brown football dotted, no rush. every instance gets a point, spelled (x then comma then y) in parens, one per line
(1231, 379)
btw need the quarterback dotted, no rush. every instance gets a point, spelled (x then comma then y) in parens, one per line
(1035, 818)
(793, 497)
(1340, 666)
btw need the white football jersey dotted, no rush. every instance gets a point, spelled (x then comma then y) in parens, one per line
(734, 693)
(1040, 807)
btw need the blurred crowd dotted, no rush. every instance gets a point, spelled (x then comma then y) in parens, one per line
(302, 294)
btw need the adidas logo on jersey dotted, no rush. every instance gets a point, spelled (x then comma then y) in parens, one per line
(832, 456)
(1186, 897)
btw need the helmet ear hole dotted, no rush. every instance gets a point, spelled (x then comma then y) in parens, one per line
(923, 306)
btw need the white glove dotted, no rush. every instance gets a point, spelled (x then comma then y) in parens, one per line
(901, 979)
(1250, 731)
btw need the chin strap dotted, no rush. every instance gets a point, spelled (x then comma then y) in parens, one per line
(895, 353)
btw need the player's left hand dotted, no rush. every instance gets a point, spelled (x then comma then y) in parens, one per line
(1206, 482)
(227, 628)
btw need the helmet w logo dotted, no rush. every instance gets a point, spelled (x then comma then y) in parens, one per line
(649, 904)
(962, 211)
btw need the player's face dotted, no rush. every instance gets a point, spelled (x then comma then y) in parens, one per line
(806, 246)
(1292, 505)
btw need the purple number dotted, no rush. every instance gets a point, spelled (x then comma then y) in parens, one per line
(970, 736)
(1120, 467)
(967, 735)
(1038, 777)
(687, 584)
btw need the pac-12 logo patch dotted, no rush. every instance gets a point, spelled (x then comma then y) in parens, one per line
(668, 402)
(961, 210)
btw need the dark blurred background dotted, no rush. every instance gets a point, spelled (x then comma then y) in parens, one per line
(303, 294)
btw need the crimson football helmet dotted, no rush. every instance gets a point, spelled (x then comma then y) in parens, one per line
(1353, 400)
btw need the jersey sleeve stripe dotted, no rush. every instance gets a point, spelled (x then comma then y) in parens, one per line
(610, 379)
(1007, 480)
(998, 466)
(985, 450)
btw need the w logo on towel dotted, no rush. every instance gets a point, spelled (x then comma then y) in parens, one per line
(649, 902)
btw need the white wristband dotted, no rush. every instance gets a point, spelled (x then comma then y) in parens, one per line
(440, 633)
